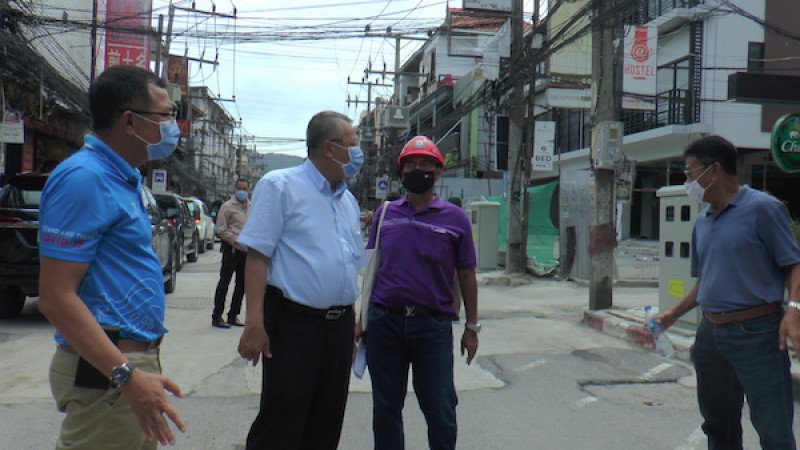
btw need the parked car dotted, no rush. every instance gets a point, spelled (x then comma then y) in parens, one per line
(177, 213)
(204, 222)
(164, 238)
(19, 241)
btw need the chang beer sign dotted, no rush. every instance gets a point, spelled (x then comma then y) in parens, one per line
(785, 142)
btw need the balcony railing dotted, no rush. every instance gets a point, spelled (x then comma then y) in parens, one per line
(647, 10)
(673, 107)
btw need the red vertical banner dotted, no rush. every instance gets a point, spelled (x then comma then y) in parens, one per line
(128, 33)
(178, 72)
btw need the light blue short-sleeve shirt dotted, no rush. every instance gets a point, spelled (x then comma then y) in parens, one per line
(311, 234)
(741, 256)
(92, 212)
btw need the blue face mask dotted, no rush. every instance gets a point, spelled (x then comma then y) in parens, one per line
(356, 161)
(170, 135)
(241, 195)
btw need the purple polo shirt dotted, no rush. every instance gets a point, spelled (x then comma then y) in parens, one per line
(420, 253)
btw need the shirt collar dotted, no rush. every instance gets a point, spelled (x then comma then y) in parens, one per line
(126, 171)
(436, 203)
(320, 181)
(739, 199)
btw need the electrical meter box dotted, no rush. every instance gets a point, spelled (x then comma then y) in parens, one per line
(485, 218)
(678, 213)
(607, 144)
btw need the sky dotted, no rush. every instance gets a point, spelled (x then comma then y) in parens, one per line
(283, 64)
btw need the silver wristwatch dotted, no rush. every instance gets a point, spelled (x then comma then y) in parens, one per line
(476, 327)
(121, 374)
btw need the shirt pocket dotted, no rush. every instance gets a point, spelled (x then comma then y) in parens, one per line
(435, 244)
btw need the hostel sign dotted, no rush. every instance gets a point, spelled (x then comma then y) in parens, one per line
(785, 142)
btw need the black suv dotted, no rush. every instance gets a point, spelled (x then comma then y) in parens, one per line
(19, 241)
(178, 215)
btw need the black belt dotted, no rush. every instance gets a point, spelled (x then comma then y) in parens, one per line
(332, 313)
(409, 311)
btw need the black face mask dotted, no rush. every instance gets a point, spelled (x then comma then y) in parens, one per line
(418, 181)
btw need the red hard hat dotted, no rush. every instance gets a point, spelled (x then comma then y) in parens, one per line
(420, 146)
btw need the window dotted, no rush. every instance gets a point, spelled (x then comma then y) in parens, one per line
(686, 213)
(755, 57)
(502, 142)
(670, 216)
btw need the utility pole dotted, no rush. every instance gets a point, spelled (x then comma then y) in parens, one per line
(516, 247)
(370, 171)
(602, 234)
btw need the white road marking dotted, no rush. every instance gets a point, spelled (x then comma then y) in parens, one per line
(530, 365)
(656, 370)
(585, 401)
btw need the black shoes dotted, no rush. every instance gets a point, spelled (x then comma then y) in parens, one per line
(219, 323)
(233, 320)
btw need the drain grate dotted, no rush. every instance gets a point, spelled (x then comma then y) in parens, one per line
(189, 302)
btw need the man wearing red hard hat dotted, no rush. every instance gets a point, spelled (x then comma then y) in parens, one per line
(424, 240)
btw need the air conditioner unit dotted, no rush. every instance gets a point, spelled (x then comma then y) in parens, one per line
(395, 116)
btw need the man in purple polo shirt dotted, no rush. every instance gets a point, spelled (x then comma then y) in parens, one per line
(424, 240)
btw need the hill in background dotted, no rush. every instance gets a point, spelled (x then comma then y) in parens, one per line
(280, 161)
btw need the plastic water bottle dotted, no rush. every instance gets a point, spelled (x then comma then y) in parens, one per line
(663, 345)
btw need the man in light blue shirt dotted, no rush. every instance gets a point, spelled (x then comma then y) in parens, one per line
(304, 249)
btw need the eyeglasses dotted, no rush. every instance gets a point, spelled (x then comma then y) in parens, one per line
(166, 115)
(425, 164)
(343, 144)
(686, 173)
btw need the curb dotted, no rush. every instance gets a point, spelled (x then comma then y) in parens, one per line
(632, 283)
(635, 333)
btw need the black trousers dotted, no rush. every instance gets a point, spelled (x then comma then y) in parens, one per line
(232, 262)
(304, 385)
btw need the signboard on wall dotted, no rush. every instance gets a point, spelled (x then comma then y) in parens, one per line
(489, 5)
(785, 143)
(178, 72)
(160, 180)
(12, 128)
(639, 67)
(128, 33)
(543, 146)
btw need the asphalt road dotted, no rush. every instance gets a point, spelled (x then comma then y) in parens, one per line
(542, 379)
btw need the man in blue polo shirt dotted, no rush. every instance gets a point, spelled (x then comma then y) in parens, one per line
(743, 253)
(101, 284)
(424, 241)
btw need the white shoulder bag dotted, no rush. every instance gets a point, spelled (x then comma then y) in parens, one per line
(371, 271)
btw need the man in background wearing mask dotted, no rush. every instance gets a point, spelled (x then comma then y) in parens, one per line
(304, 248)
(424, 241)
(743, 254)
(101, 284)
(230, 221)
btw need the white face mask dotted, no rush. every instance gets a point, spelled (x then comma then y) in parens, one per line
(694, 190)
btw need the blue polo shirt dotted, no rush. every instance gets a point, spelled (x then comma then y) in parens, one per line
(311, 233)
(741, 256)
(92, 212)
(420, 252)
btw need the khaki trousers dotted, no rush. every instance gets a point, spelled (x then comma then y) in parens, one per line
(95, 418)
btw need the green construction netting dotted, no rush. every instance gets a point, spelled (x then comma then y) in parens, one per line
(542, 234)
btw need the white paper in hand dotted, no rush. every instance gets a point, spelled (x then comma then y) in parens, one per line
(360, 362)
